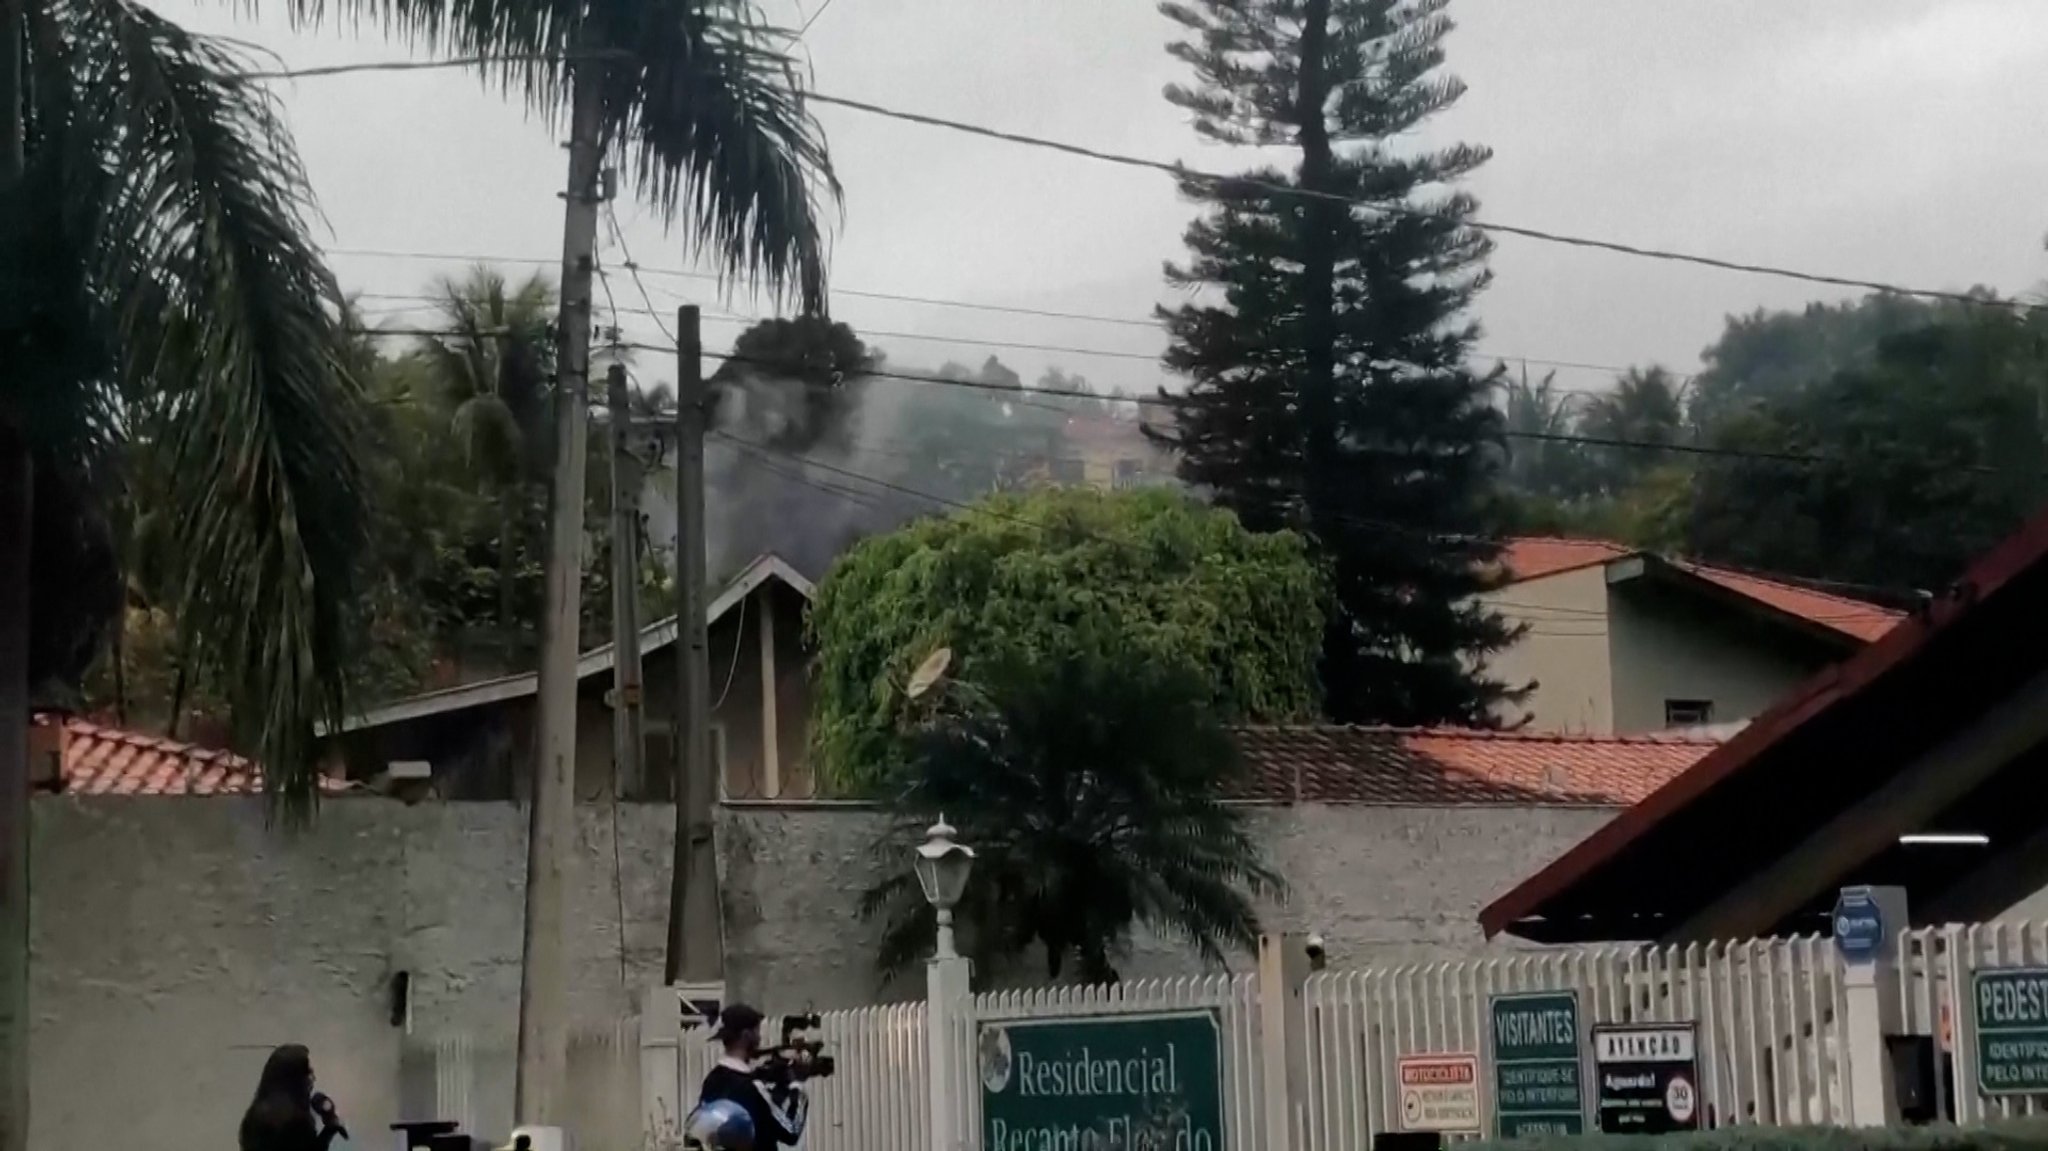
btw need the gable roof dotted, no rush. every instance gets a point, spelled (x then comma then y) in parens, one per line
(597, 660)
(1532, 557)
(1456, 767)
(99, 760)
(1981, 613)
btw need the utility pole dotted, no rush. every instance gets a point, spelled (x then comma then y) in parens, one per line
(16, 516)
(541, 1080)
(628, 712)
(696, 944)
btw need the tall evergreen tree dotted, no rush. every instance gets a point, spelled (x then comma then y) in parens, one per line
(1328, 389)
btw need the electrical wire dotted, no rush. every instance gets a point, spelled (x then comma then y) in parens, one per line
(1541, 235)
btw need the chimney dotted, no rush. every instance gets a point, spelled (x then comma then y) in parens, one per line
(47, 735)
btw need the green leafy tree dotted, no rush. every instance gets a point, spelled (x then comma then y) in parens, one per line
(1091, 786)
(1029, 579)
(1928, 456)
(1539, 419)
(1767, 356)
(1328, 387)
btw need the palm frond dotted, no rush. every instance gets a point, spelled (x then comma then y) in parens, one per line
(702, 107)
(228, 315)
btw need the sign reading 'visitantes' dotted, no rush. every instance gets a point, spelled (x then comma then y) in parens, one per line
(1122, 1082)
(2012, 1030)
(1536, 1063)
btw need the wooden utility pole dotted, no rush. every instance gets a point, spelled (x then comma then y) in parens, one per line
(541, 1081)
(16, 516)
(696, 945)
(629, 740)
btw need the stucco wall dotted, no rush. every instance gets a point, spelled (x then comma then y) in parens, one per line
(1564, 651)
(177, 941)
(1669, 645)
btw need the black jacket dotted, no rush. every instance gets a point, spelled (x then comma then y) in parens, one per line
(281, 1116)
(778, 1112)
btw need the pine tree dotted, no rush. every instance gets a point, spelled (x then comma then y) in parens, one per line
(1328, 390)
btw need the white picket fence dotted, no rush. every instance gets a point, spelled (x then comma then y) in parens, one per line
(1936, 966)
(1769, 1014)
(1234, 1000)
(879, 1095)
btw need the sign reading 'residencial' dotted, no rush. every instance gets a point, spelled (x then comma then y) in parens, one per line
(1139, 1082)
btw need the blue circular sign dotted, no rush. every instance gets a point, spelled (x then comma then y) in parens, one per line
(1859, 924)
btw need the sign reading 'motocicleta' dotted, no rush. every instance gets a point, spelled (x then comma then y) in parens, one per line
(1151, 1082)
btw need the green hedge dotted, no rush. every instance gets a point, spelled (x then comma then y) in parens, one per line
(2016, 1135)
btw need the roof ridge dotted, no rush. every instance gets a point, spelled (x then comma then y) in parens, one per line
(1789, 583)
(1660, 738)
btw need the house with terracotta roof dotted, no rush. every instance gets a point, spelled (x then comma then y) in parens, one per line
(1618, 640)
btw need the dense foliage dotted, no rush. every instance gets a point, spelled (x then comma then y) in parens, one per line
(1091, 785)
(1884, 443)
(1328, 386)
(1062, 575)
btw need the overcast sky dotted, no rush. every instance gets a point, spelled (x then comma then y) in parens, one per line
(1894, 140)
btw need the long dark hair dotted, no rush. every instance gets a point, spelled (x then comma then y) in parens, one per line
(280, 1117)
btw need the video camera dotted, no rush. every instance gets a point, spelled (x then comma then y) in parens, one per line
(796, 1058)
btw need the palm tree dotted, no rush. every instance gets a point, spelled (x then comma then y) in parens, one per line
(154, 248)
(491, 371)
(1647, 405)
(1538, 417)
(1092, 791)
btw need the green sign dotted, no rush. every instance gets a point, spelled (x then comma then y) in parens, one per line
(1537, 1088)
(1102, 1083)
(2012, 1030)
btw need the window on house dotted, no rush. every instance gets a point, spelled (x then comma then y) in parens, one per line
(1688, 712)
(1125, 474)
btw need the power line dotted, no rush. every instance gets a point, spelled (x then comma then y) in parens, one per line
(1182, 172)
(814, 18)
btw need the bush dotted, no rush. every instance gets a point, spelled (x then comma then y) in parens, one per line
(2015, 1135)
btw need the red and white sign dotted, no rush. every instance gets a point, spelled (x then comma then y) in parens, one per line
(1440, 1092)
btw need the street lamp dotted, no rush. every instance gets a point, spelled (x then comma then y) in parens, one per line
(942, 867)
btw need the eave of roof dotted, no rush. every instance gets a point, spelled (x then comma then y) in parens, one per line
(1839, 682)
(597, 660)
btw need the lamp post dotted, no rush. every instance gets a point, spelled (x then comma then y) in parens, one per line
(942, 866)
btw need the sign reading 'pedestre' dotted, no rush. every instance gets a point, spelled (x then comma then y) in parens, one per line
(1136, 1082)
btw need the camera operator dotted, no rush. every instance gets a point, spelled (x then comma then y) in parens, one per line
(777, 1104)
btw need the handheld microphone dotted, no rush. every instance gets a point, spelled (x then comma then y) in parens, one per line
(325, 1109)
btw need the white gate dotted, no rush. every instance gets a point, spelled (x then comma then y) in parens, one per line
(1769, 1012)
(1233, 998)
(1936, 969)
(879, 1096)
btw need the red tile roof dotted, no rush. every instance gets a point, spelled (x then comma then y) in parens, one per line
(1451, 767)
(1530, 558)
(109, 761)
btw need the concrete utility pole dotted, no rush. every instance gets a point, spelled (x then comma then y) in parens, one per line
(629, 738)
(696, 944)
(16, 517)
(543, 977)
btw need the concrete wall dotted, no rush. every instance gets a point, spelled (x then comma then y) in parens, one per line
(177, 940)
(1667, 645)
(1564, 650)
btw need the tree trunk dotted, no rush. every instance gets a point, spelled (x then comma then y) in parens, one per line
(1318, 262)
(15, 513)
(177, 698)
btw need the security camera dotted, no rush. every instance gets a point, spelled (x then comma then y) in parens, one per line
(1318, 954)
